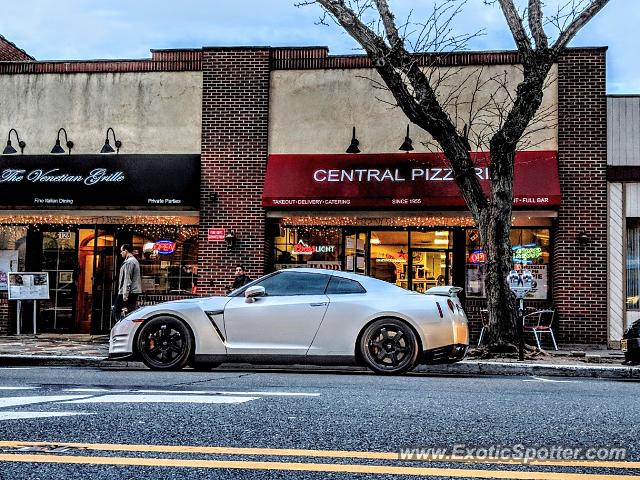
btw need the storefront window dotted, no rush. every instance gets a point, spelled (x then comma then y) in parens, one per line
(530, 248)
(168, 259)
(434, 240)
(308, 247)
(633, 263)
(12, 252)
(389, 256)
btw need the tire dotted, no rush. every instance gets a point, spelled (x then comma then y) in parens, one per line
(165, 343)
(389, 346)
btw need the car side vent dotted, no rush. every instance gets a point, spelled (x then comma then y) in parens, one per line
(211, 316)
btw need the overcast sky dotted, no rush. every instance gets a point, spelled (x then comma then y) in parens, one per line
(92, 29)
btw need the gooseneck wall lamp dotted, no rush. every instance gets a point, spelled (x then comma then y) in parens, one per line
(9, 150)
(353, 147)
(583, 238)
(57, 148)
(407, 145)
(108, 148)
(230, 239)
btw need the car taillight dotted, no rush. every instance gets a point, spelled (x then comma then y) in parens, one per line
(440, 310)
(451, 306)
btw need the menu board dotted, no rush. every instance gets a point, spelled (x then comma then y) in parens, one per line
(28, 285)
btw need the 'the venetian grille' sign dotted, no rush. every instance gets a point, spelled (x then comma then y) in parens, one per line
(156, 182)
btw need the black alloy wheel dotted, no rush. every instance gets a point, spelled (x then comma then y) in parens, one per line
(165, 343)
(389, 346)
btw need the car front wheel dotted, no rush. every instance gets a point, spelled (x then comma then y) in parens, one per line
(165, 343)
(389, 346)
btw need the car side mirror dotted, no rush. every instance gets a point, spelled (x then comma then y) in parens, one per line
(251, 293)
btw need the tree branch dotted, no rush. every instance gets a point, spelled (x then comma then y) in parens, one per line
(399, 70)
(587, 14)
(535, 24)
(515, 25)
(389, 23)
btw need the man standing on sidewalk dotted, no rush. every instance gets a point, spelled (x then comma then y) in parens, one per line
(129, 284)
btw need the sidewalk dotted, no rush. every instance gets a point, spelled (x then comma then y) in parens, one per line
(92, 350)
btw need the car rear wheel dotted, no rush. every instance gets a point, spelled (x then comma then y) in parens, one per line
(389, 346)
(165, 343)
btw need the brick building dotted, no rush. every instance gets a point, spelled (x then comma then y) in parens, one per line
(268, 129)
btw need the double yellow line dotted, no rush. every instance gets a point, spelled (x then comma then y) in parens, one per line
(303, 466)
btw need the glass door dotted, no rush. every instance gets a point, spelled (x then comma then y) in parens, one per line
(104, 280)
(96, 280)
(59, 260)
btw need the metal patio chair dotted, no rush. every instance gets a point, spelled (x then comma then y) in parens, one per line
(484, 314)
(539, 322)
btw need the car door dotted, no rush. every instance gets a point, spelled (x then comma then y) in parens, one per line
(284, 321)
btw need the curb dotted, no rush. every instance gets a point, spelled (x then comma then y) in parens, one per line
(466, 367)
(474, 367)
(56, 361)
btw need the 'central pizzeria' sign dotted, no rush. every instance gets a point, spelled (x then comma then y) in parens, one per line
(398, 180)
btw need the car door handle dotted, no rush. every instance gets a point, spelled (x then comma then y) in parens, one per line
(320, 304)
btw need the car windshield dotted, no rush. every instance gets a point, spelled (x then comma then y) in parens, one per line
(290, 283)
(238, 292)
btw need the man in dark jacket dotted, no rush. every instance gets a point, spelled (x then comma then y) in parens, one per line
(241, 278)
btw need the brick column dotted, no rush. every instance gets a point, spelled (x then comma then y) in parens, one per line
(235, 115)
(580, 270)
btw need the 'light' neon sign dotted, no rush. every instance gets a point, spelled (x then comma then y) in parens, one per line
(301, 248)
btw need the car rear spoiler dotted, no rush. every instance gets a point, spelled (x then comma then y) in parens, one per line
(444, 291)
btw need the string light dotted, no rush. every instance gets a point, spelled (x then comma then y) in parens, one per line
(97, 220)
(402, 222)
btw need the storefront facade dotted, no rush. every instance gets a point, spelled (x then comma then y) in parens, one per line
(272, 128)
(623, 173)
(67, 214)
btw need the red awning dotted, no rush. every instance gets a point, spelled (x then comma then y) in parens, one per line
(397, 181)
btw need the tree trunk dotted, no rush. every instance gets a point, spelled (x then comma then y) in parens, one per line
(495, 229)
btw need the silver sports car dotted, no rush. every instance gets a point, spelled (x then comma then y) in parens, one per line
(301, 315)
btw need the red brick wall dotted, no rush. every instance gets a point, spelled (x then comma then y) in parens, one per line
(580, 271)
(10, 53)
(235, 114)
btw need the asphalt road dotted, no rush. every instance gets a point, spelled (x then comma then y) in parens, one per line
(89, 423)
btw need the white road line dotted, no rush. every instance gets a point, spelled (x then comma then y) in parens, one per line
(163, 399)
(25, 415)
(18, 388)
(196, 392)
(19, 401)
(539, 379)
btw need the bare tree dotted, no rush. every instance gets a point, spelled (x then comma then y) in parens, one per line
(394, 50)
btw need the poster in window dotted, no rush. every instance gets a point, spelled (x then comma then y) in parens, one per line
(539, 290)
(475, 280)
(8, 263)
(350, 263)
